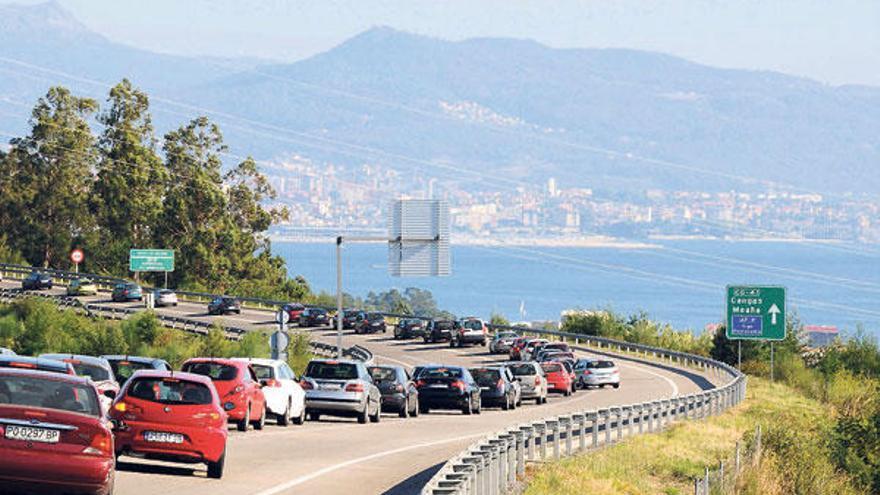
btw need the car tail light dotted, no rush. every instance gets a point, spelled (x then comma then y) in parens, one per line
(420, 383)
(458, 384)
(587, 372)
(354, 387)
(398, 388)
(500, 384)
(537, 380)
(102, 444)
(271, 382)
(23, 365)
(306, 385)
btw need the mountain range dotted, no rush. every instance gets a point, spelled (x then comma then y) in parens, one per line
(486, 110)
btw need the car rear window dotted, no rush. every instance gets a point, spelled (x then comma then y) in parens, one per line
(444, 325)
(473, 324)
(170, 390)
(383, 374)
(522, 369)
(486, 377)
(96, 373)
(600, 364)
(440, 373)
(552, 367)
(215, 371)
(124, 369)
(51, 394)
(264, 372)
(332, 371)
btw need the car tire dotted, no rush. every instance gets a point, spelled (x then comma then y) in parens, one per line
(375, 418)
(284, 418)
(506, 405)
(215, 469)
(246, 421)
(415, 411)
(404, 410)
(479, 408)
(261, 423)
(451, 343)
(301, 418)
(616, 385)
(313, 416)
(468, 409)
(364, 415)
(424, 409)
(601, 385)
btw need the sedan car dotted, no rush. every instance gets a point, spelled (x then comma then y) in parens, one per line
(313, 317)
(164, 297)
(222, 305)
(498, 387)
(596, 373)
(37, 281)
(408, 328)
(470, 331)
(82, 287)
(502, 342)
(285, 398)
(53, 435)
(98, 369)
(174, 417)
(531, 378)
(399, 393)
(238, 388)
(558, 378)
(448, 387)
(341, 388)
(125, 366)
(33, 363)
(126, 291)
(374, 322)
(441, 331)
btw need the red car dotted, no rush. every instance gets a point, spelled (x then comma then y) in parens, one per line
(516, 348)
(294, 310)
(171, 416)
(238, 387)
(53, 437)
(558, 377)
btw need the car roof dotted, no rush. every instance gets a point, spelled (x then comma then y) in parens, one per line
(170, 374)
(385, 366)
(62, 377)
(60, 366)
(136, 359)
(335, 361)
(227, 361)
(93, 360)
(259, 361)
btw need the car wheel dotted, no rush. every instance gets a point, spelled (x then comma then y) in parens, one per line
(375, 418)
(302, 416)
(601, 385)
(243, 424)
(284, 419)
(404, 410)
(567, 392)
(616, 385)
(506, 405)
(479, 407)
(415, 410)
(364, 415)
(313, 416)
(238, 311)
(451, 343)
(260, 423)
(468, 409)
(215, 469)
(424, 409)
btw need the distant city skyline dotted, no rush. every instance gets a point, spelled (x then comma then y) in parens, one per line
(832, 42)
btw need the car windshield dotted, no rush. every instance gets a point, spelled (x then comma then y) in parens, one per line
(124, 369)
(522, 369)
(486, 377)
(51, 394)
(552, 367)
(383, 374)
(170, 390)
(601, 364)
(96, 373)
(440, 373)
(264, 372)
(332, 371)
(473, 324)
(215, 371)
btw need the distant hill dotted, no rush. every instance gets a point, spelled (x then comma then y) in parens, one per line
(501, 106)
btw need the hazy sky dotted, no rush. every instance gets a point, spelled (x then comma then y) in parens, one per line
(835, 41)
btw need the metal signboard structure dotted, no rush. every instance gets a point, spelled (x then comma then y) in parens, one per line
(151, 260)
(755, 312)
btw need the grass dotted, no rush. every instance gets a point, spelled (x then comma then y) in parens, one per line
(667, 462)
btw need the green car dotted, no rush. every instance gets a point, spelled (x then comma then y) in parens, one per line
(82, 287)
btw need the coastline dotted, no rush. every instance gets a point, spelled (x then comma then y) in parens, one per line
(560, 242)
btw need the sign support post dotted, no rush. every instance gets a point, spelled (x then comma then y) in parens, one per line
(755, 313)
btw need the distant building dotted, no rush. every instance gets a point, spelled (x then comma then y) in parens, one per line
(821, 335)
(551, 187)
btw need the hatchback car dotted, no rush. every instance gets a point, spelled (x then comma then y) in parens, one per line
(408, 328)
(448, 387)
(374, 322)
(98, 369)
(33, 363)
(82, 287)
(126, 291)
(532, 347)
(597, 373)
(285, 398)
(533, 383)
(470, 331)
(498, 387)
(53, 435)
(516, 348)
(341, 388)
(236, 383)
(37, 281)
(399, 393)
(352, 318)
(558, 378)
(314, 317)
(171, 416)
(441, 331)
(164, 297)
(502, 342)
(125, 366)
(222, 305)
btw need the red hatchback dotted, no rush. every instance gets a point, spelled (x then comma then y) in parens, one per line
(53, 438)
(173, 417)
(240, 392)
(558, 378)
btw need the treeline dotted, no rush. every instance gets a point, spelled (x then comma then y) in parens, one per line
(63, 186)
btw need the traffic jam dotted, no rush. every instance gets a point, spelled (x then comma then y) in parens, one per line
(66, 419)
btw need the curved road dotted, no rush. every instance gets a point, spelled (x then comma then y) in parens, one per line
(395, 456)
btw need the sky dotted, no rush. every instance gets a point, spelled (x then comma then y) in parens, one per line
(836, 42)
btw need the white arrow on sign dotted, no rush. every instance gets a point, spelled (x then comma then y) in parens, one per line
(774, 310)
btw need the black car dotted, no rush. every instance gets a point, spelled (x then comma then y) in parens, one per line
(399, 393)
(498, 387)
(374, 322)
(223, 305)
(352, 319)
(37, 281)
(313, 317)
(125, 366)
(448, 387)
(408, 328)
(441, 330)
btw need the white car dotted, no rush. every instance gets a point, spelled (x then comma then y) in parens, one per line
(285, 399)
(164, 297)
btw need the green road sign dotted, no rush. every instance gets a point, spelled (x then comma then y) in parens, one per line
(151, 260)
(755, 312)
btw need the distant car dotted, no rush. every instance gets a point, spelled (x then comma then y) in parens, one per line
(531, 378)
(448, 387)
(171, 416)
(98, 369)
(314, 317)
(294, 310)
(470, 331)
(558, 378)
(222, 305)
(374, 322)
(38, 364)
(6, 352)
(498, 387)
(596, 373)
(37, 281)
(556, 346)
(409, 328)
(82, 287)
(516, 348)
(126, 291)
(531, 348)
(164, 297)
(55, 438)
(351, 318)
(441, 331)
(125, 366)
(502, 342)
(236, 383)
(285, 399)
(399, 392)
(341, 388)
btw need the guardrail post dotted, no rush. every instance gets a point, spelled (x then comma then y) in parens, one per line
(640, 409)
(511, 458)
(594, 420)
(520, 453)
(567, 423)
(553, 425)
(529, 438)
(650, 416)
(606, 414)
(619, 414)
(629, 420)
(581, 420)
(541, 432)
(499, 448)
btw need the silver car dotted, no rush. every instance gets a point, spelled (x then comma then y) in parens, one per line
(340, 388)
(501, 342)
(596, 373)
(6, 352)
(532, 382)
(164, 297)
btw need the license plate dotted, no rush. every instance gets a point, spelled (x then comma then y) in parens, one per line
(439, 385)
(31, 434)
(163, 437)
(330, 387)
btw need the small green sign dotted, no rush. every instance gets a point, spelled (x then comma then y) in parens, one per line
(755, 312)
(151, 260)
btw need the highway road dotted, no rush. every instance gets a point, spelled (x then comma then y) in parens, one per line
(395, 456)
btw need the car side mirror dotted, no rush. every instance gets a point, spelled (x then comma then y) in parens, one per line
(110, 394)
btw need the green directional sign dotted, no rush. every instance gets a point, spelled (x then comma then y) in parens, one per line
(151, 260)
(755, 312)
